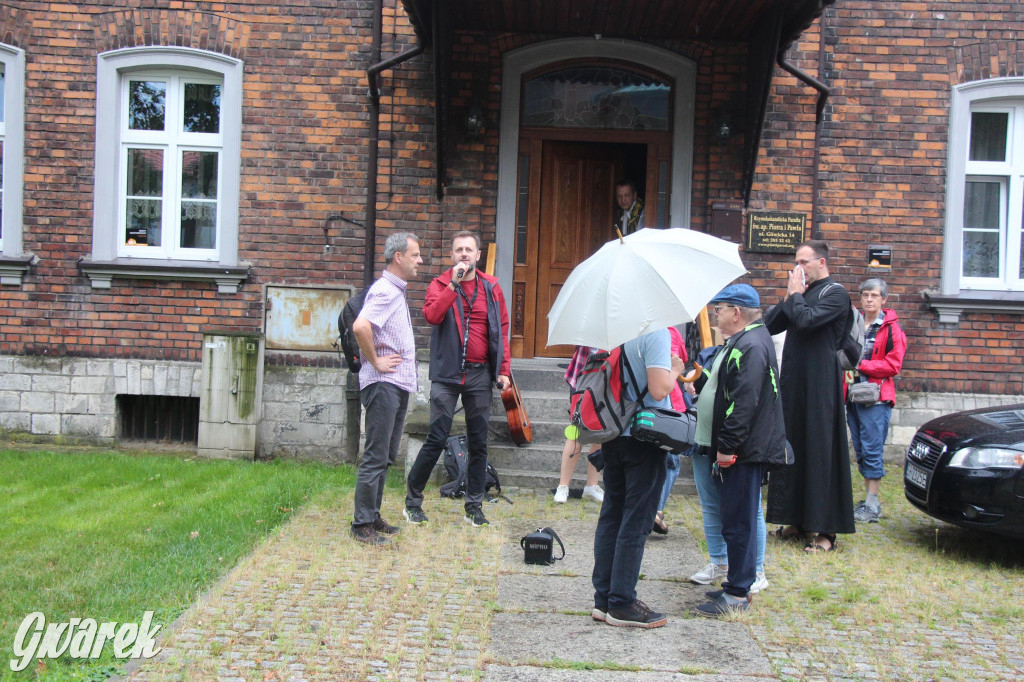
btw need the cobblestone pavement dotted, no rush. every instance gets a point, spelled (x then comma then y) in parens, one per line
(311, 604)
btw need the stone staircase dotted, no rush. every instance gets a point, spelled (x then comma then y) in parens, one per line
(546, 398)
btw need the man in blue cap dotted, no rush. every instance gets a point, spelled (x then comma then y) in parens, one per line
(740, 424)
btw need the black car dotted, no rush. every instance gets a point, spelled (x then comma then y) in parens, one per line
(966, 468)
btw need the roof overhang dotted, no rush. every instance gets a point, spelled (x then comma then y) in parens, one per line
(769, 27)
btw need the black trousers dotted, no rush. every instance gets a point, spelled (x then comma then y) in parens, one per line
(476, 400)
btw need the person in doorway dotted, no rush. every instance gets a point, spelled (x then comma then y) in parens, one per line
(469, 354)
(630, 214)
(571, 450)
(815, 494)
(387, 348)
(740, 424)
(884, 345)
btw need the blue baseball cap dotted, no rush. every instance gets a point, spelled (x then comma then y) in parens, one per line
(743, 295)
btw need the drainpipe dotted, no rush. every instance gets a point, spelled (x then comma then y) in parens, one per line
(352, 406)
(374, 136)
(823, 93)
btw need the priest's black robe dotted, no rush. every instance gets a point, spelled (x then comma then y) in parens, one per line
(815, 492)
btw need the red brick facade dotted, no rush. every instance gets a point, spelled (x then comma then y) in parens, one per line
(879, 154)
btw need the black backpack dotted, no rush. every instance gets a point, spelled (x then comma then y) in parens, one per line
(456, 465)
(347, 338)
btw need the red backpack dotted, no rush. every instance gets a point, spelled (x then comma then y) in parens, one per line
(598, 406)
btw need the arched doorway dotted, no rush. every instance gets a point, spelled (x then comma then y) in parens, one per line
(609, 111)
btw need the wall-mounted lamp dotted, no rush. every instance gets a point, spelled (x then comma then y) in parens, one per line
(723, 128)
(474, 121)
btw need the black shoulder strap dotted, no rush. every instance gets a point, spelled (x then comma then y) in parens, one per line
(558, 540)
(632, 377)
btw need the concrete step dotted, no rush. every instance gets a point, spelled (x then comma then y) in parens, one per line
(539, 405)
(541, 374)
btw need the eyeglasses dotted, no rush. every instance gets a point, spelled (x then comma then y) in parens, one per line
(719, 308)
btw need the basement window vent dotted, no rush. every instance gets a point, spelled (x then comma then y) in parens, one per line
(170, 419)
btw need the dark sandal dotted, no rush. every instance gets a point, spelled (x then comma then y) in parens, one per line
(813, 547)
(660, 527)
(786, 533)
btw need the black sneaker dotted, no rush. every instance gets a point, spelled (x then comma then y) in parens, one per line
(476, 517)
(599, 614)
(720, 606)
(414, 515)
(639, 615)
(382, 526)
(367, 535)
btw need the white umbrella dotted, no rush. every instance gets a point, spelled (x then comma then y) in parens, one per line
(647, 281)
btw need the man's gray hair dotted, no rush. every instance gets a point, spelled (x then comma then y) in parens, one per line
(873, 284)
(398, 243)
(750, 314)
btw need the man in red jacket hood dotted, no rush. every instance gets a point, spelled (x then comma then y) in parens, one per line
(469, 354)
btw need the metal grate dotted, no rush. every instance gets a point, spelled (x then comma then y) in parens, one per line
(925, 451)
(171, 419)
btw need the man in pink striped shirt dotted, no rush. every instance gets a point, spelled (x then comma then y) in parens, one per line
(387, 377)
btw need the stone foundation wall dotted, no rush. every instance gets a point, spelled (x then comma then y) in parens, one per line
(303, 411)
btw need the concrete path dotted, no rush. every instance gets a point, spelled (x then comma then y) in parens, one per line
(544, 629)
(311, 604)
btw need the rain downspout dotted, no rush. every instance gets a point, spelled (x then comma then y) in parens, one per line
(823, 93)
(374, 134)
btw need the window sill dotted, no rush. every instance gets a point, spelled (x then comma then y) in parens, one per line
(951, 307)
(101, 273)
(12, 270)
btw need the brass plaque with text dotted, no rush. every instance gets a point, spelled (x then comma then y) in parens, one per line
(775, 231)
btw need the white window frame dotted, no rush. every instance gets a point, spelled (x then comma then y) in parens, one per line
(12, 130)
(113, 70)
(997, 95)
(173, 142)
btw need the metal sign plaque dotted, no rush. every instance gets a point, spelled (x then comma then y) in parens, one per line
(775, 231)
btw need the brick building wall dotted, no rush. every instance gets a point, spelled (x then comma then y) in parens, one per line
(879, 156)
(882, 168)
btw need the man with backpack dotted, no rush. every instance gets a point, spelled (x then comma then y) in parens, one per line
(634, 474)
(469, 353)
(387, 376)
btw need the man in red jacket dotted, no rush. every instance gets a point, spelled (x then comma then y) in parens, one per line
(884, 345)
(469, 353)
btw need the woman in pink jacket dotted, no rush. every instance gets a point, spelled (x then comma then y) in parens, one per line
(867, 414)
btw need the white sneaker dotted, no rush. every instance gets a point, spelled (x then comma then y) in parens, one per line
(593, 492)
(709, 574)
(562, 494)
(759, 584)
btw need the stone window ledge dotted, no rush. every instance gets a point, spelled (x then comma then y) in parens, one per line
(12, 270)
(101, 273)
(951, 306)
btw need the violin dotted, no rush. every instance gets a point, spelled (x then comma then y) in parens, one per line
(518, 423)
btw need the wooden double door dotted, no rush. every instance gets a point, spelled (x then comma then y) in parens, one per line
(567, 212)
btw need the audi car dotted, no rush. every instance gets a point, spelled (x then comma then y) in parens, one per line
(967, 468)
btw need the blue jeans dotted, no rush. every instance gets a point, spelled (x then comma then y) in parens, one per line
(869, 425)
(671, 474)
(711, 509)
(739, 488)
(634, 474)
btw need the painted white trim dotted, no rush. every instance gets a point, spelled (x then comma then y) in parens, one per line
(14, 148)
(962, 98)
(110, 66)
(523, 60)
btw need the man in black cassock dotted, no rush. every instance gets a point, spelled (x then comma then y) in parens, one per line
(815, 494)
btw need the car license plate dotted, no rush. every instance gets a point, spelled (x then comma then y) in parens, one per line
(917, 476)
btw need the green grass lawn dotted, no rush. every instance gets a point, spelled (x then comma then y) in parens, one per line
(111, 535)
